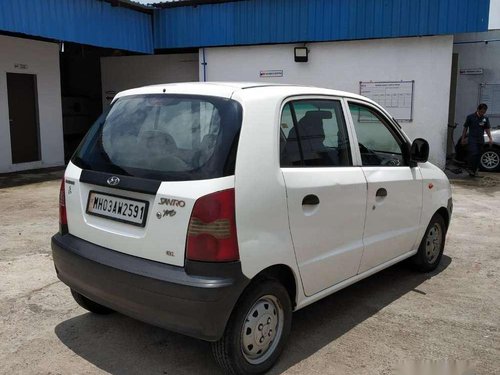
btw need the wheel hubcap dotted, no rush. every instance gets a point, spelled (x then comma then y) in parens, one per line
(433, 243)
(490, 160)
(262, 329)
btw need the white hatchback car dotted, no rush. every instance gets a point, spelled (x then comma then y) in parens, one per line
(217, 209)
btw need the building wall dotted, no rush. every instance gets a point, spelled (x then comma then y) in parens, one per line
(494, 19)
(342, 65)
(122, 73)
(477, 54)
(42, 59)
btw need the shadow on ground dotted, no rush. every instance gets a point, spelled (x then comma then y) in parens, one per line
(8, 180)
(120, 345)
(488, 183)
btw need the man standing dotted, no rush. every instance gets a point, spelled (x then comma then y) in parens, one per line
(476, 123)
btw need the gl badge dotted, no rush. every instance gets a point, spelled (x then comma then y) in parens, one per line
(113, 181)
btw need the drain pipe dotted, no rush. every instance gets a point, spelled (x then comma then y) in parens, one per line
(204, 63)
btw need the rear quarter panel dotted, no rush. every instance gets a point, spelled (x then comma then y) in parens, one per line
(261, 207)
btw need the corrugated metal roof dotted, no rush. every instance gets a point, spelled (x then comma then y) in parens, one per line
(145, 6)
(92, 22)
(181, 3)
(287, 21)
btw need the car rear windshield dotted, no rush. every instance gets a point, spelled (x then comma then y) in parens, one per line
(164, 137)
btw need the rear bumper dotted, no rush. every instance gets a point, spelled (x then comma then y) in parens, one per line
(196, 300)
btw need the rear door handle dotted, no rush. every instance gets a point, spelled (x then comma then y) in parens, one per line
(381, 193)
(311, 200)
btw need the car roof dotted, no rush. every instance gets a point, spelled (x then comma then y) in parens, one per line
(228, 89)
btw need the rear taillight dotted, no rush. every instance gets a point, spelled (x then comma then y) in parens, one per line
(212, 229)
(63, 220)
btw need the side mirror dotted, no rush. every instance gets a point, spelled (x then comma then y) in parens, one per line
(419, 151)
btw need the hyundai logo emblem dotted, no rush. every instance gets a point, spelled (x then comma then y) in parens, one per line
(113, 181)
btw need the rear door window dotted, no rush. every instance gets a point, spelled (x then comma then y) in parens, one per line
(314, 134)
(166, 137)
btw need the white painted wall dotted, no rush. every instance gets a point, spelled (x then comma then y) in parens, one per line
(494, 20)
(342, 65)
(475, 55)
(126, 72)
(42, 59)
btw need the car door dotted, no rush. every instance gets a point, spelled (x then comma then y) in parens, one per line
(326, 194)
(394, 200)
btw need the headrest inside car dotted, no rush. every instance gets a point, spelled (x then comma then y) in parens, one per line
(319, 114)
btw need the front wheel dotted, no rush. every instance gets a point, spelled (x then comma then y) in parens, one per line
(431, 248)
(490, 160)
(257, 330)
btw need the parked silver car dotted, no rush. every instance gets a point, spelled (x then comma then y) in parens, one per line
(490, 156)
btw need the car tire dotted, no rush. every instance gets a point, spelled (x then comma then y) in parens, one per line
(264, 310)
(90, 305)
(490, 160)
(431, 248)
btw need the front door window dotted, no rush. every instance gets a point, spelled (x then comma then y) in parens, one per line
(378, 145)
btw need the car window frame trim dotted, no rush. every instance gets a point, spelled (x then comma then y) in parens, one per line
(394, 128)
(292, 98)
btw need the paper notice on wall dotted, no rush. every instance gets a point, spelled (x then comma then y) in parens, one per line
(490, 95)
(396, 97)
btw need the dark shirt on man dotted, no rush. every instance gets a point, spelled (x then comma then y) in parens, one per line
(476, 126)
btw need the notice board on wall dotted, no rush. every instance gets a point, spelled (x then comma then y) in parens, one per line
(489, 93)
(395, 96)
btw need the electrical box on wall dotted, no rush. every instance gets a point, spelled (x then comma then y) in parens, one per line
(301, 54)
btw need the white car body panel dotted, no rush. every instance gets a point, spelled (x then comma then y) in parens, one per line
(162, 239)
(436, 193)
(261, 208)
(328, 238)
(209, 89)
(305, 301)
(392, 222)
(327, 248)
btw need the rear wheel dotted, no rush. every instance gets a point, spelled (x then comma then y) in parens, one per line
(490, 160)
(431, 248)
(90, 305)
(257, 330)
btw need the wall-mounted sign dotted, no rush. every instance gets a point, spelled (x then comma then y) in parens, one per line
(271, 73)
(21, 66)
(472, 71)
(396, 97)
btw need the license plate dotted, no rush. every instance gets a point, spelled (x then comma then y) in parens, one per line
(126, 210)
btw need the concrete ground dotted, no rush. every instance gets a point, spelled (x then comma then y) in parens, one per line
(397, 315)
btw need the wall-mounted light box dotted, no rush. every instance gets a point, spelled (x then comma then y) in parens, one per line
(301, 54)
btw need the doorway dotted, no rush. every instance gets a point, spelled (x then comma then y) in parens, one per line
(80, 91)
(23, 117)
